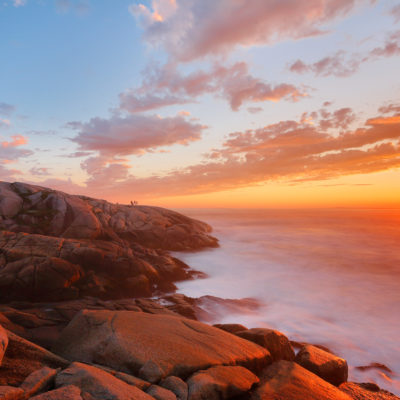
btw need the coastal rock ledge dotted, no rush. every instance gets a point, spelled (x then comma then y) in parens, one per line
(56, 246)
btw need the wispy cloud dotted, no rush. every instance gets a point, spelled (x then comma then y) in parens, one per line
(342, 64)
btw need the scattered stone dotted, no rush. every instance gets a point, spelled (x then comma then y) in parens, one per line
(3, 343)
(98, 383)
(177, 386)
(288, 380)
(220, 383)
(11, 393)
(69, 392)
(326, 365)
(160, 393)
(231, 328)
(154, 346)
(275, 342)
(366, 391)
(38, 381)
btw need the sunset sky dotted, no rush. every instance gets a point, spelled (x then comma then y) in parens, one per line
(204, 103)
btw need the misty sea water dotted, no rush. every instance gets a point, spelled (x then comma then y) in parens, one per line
(329, 277)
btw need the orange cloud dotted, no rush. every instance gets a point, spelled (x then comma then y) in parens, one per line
(290, 151)
(17, 140)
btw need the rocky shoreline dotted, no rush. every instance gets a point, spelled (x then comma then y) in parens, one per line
(88, 311)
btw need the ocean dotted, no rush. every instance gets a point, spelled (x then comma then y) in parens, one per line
(327, 277)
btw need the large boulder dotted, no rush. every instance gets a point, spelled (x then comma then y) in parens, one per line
(287, 380)
(10, 202)
(220, 383)
(3, 343)
(366, 391)
(326, 365)
(275, 342)
(154, 346)
(98, 383)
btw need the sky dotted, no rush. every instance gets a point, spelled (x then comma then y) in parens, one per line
(203, 103)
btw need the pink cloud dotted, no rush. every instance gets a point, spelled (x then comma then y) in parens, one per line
(167, 86)
(395, 12)
(196, 28)
(134, 134)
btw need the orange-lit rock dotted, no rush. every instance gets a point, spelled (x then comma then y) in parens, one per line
(220, 382)
(275, 342)
(326, 365)
(154, 346)
(285, 380)
(98, 383)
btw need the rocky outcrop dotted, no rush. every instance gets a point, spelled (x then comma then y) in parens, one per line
(56, 246)
(154, 346)
(35, 209)
(326, 365)
(220, 382)
(288, 380)
(35, 267)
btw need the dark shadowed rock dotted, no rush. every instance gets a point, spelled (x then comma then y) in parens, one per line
(285, 380)
(38, 381)
(231, 328)
(23, 357)
(220, 383)
(3, 343)
(154, 346)
(69, 392)
(98, 383)
(11, 393)
(366, 391)
(160, 393)
(326, 365)
(275, 342)
(177, 386)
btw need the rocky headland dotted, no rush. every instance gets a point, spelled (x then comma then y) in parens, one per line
(88, 310)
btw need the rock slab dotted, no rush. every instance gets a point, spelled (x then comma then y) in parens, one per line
(154, 346)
